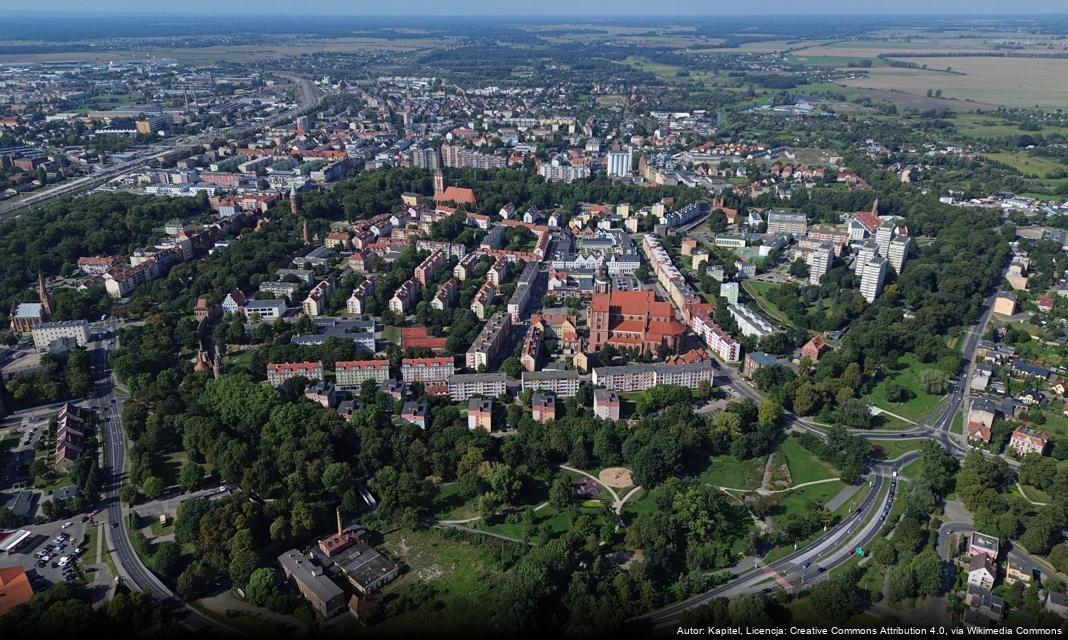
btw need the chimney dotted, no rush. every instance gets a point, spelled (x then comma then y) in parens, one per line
(339, 529)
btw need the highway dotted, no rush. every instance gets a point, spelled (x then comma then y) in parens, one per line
(108, 405)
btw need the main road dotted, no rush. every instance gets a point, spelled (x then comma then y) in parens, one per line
(108, 405)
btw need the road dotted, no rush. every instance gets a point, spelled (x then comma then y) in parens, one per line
(860, 527)
(108, 405)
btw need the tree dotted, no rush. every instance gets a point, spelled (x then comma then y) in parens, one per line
(806, 402)
(938, 468)
(918, 499)
(883, 552)
(838, 598)
(242, 565)
(152, 487)
(190, 475)
(488, 505)
(129, 494)
(167, 559)
(262, 587)
(769, 412)
(749, 610)
(1038, 471)
(194, 581)
(855, 413)
(561, 491)
(900, 584)
(896, 393)
(799, 268)
(929, 573)
(933, 382)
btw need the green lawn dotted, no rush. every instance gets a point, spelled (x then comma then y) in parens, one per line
(391, 334)
(1026, 163)
(728, 471)
(757, 291)
(891, 449)
(450, 505)
(818, 493)
(1034, 494)
(958, 422)
(805, 467)
(907, 376)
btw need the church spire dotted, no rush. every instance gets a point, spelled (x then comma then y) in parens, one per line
(307, 235)
(42, 295)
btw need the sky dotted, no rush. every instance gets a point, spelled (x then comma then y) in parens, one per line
(540, 8)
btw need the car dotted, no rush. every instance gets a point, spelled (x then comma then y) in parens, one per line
(114, 524)
(68, 524)
(949, 532)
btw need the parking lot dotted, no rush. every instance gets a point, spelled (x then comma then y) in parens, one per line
(59, 552)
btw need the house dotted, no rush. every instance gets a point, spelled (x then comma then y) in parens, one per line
(755, 361)
(814, 348)
(15, 588)
(1018, 569)
(981, 572)
(543, 407)
(1057, 603)
(1030, 397)
(1058, 386)
(978, 431)
(982, 411)
(415, 413)
(1044, 304)
(981, 380)
(605, 404)
(982, 544)
(1022, 369)
(233, 301)
(985, 603)
(480, 414)
(1025, 441)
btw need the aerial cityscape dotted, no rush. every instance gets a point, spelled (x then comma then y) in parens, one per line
(344, 320)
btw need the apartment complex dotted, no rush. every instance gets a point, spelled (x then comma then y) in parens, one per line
(352, 374)
(278, 373)
(494, 335)
(639, 377)
(429, 371)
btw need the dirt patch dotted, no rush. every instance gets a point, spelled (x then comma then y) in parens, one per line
(616, 477)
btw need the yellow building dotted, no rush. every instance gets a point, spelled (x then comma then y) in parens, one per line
(1005, 303)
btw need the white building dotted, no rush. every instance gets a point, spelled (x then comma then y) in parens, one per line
(750, 322)
(819, 262)
(620, 163)
(47, 332)
(871, 278)
(899, 252)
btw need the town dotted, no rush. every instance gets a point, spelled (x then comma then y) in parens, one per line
(430, 332)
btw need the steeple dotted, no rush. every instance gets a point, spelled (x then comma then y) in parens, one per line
(42, 295)
(294, 200)
(439, 182)
(875, 208)
(307, 236)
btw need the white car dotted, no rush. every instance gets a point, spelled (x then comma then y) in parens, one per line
(67, 524)
(64, 560)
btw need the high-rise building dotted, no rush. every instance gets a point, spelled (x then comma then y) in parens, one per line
(865, 252)
(620, 162)
(729, 290)
(302, 125)
(871, 278)
(899, 252)
(883, 236)
(819, 262)
(786, 222)
(424, 158)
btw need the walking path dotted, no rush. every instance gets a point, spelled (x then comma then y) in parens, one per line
(491, 534)
(224, 602)
(765, 492)
(767, 472)
(879, 410)
(1037, 504)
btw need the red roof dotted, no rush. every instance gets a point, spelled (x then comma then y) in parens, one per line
(289, 367)
(459, 195)
(361, 364)
(428, 362)
(15, 588)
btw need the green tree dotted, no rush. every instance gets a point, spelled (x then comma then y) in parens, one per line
(152, 487)
(561, 491)
(242, 565)
(190, 475)
(929, 573)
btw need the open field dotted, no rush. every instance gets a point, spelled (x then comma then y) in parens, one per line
(891, 449)
(804, 467)
(908, 377)
(728, 471)
(1013, 82)
(1026, 163)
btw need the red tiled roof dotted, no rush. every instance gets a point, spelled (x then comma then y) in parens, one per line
(15, 588)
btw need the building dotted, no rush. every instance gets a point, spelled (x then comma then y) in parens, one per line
(46, 332)
(480, 414)
(719, 341)
(406, 296)
(563, 383)
(487, 345)
(756, 361)
(416, 413)
(814, 348)
(871, 278)
(359, 332)
(884, 235)
(633, 320)
(899, 252)
(445, 298)
(352, 374)
(639, 377)
(318, 298)
(429, 268)
(356, 304)
(464, 386)
(750, 322)
(981, 572)
(429, 371)
(819, 262)
(1005, 303)
(264, 309)
(1056, 603)
(786, 223)
(982, 544)
(1025, 441)
(606, 404)
(317, 588)
(1019, 569)
(15, 588)
(280, 372)
(543, 407)
(619, 163)
(978, 431)
(729, 291)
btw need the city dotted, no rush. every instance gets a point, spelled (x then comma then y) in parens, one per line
(641, 324)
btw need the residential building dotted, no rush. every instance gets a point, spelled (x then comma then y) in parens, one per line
(814, 348)
(543, 407)
(463, 386)
(787, 223)
(356, 304)
(1005, 303)
(1056, 603)
(864, 251)
(46, 332)
(563, 383)
(318, 298)
(445, 298)
(15, 588)
(719, 341)
(981, 572)
(406, 296)
(317, 588)
(416, 413)
(1019, 569)
(429, 268)
(606, 404)
(871, 278)
(480, 414)
(429, 371)
(278, 373)
(494, 335)
(1025, 441)
(982, 544)
(352, 374)
(359, 332)
(639, 377)
(750, 322)
(819, 261)
(729, 291)
(899, 252)
(755, 361)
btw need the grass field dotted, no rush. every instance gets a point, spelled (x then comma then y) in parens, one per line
(805, 467)
(728, 471)
(907, 376)
(1026, 163)
(892, 449)
(757, 290)
(817, 493)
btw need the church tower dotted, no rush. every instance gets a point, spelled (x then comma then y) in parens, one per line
(42, 294)
(439, 182)
(294, 201)
(307, 235)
